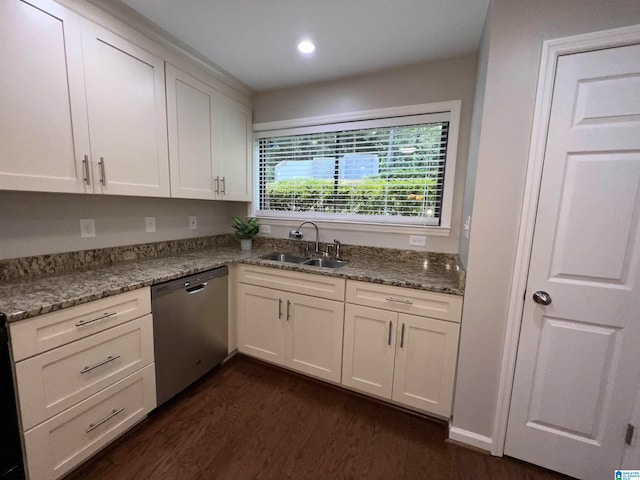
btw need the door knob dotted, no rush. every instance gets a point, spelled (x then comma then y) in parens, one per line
(543, 298)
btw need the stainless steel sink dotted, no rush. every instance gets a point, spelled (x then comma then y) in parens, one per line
(313, 262)
(325, 262)
(284, 257)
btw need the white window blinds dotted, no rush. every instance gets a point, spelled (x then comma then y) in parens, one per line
(392, 173)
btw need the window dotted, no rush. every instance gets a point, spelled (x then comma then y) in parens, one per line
(386, 170)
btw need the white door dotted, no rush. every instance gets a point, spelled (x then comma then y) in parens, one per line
(427, 351)
(127, 115)
(190, 112)
(261, 317)
(43, 120)
(369, 349)
(234, 149)
(314, 336)
(578, 358)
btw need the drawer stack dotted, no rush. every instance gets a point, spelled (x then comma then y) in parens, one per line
(84, 375)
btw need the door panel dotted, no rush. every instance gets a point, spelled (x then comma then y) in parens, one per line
(314, 336)
(369, 349)
(261, 323)
(578, 363)
(43, 116)
(127, 115)
(427, 351)
(190, 110)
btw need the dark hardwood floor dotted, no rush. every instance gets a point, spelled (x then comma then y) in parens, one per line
(251, 421)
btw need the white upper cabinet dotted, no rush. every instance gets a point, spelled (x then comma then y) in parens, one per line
(43, 125)
(127, 124)
(209, 141)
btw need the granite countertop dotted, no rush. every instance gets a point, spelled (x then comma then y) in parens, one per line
(30, 297)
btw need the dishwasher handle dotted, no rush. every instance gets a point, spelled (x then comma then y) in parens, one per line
(196, 289)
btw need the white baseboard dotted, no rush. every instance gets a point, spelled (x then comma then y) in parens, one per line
(470, 438)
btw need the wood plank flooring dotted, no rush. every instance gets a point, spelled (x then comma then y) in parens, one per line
(250, 421)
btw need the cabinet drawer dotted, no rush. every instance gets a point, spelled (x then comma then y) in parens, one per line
(39, 334)
(54, 381)
(59, 444)
(296, 282)
(405, 300)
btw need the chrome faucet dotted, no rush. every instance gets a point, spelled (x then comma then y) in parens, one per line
(297, 234)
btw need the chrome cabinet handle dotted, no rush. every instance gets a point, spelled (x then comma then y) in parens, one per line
(288, 313)
(402, 337)
(224, 188)
(217, 184)
(103, 173)
(110, 358)
(114, 412)
(390, 326)
(85, 322)
(399, 300)
(85, 170)
(543, 298)
(279, 309)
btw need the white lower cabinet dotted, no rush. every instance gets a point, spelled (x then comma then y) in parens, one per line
(396, 356)
(56, 446)
(84, 376)
(297, 331)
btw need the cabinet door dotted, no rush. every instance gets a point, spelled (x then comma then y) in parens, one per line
(127, 115)
(260, 315)
(234, 149)
(427, 351)
(190, 109)
(314, 336)
(369, 348)
(43, 121)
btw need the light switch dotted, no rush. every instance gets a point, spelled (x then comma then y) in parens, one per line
(417, 240)
(193, 222)
(265, 228)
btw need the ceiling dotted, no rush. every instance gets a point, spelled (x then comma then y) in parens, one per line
(255, 40)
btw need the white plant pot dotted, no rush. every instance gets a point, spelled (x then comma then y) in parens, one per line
(245, 244)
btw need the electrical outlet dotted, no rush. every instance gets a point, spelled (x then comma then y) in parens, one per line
(417, 240)
(265, 228)
(87, 227)
(150, 224)
(193, 222)
(467, 227)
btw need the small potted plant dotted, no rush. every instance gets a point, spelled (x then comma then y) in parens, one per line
(245, 231)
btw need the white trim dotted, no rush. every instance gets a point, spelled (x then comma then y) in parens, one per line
(361, 227)
(451, 108)
(439, 107)
(551, 50)
(470, 438)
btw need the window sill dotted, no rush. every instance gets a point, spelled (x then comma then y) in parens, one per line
(362, 227)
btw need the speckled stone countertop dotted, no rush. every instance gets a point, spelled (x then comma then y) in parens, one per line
(30, 297)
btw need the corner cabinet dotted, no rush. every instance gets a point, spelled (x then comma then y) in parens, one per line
(210, 147)
(393, 351)
(81, 109)
(296, 330)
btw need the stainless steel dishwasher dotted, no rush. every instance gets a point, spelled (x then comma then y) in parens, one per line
(190, 325)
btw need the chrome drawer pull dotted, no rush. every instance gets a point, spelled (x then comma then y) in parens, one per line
(279, 309)
(85, 170)
(402, 337)
(85, 322)
(217, 180)
(224, 188)
(110, 358)
(114, 412)
(390, 326)
(288, 307)
(399, 300)
(103, 173)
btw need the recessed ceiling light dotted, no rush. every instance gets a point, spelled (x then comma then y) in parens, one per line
(306, 47)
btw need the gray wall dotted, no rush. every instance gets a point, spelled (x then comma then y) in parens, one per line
(42, 223)
(450, 79)
(516, 31)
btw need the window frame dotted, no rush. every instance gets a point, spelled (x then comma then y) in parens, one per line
(434, 112)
